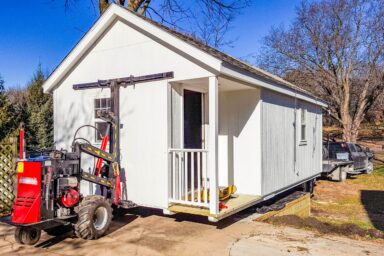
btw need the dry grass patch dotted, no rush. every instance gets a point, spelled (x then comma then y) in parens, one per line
(359, 201)
(324, 227)
(354, 208)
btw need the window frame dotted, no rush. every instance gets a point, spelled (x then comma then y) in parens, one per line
(100, 107)
(96, 131)
(97, 120)
(303, 116)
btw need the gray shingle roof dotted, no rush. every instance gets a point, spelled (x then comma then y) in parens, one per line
(225, 57)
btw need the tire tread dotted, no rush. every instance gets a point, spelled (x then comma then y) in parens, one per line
(83, 227)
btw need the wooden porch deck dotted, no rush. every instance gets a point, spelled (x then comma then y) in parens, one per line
(236, 203)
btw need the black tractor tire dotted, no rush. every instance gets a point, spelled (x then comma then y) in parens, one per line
(94, 217)
(18, 235)
(27, 235)
(59, 230)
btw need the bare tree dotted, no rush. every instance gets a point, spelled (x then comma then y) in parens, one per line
(335, 48)
(209, 19)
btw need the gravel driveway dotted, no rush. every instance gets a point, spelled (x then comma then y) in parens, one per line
(150, 233)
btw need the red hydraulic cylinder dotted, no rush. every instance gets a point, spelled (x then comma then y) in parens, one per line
(99, 162)
(117, 190)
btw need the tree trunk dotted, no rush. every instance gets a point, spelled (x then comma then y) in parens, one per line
(350, 130)
(347, 123)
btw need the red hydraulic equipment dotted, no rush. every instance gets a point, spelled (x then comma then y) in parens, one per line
(49, 197)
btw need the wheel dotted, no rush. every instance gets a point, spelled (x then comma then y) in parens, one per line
(369, 169)
(95, 215)
(59, 230)
(18, 235)
(27, 235)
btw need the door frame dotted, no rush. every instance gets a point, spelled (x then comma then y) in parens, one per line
(204, 104)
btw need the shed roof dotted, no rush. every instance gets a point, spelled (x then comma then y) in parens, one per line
(113, 13)
(223, 56)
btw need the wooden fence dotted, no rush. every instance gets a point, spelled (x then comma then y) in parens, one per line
(8, 154)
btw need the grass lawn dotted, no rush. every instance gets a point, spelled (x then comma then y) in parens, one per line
(354, 208)
(359, 200)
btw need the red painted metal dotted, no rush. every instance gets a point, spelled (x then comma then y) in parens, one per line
(70, 198)
(26, 208)
(99, 162)
(222, 206)
(117, 190)
(21, 144)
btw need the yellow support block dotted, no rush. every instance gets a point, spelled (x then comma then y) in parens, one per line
(300, 207)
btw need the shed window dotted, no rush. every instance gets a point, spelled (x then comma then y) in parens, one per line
(303, 124)
(102, 128)
(101, 104)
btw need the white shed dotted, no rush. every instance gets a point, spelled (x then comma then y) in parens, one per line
(237, 125)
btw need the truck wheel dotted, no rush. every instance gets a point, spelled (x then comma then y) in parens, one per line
(59, 230)
(369, 169)
(95, 215)
(26, 235)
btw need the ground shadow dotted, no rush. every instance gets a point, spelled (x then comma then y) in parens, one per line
(54, 240)
(121, 219)
(6, 219)
(125, 217)
(145, 212)
(373, 202)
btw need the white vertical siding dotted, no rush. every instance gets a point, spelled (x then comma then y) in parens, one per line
(279, 142)
(121, 52)
(144, 143)
(239, 140)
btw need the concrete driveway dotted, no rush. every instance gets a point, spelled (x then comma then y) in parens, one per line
(147, 232)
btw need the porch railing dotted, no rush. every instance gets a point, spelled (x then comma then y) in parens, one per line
(189, 177)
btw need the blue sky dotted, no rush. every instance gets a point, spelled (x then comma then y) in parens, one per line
(42, 31)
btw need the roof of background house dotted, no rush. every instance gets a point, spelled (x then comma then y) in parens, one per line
(223, 56)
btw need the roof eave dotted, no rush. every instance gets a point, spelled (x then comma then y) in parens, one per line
(248, 77)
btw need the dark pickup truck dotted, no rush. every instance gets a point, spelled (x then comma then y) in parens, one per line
(342, 158)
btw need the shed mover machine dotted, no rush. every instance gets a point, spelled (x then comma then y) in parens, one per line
(48, 187)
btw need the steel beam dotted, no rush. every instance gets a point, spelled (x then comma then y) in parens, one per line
(124, 81)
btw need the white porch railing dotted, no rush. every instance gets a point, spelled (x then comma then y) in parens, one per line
(189, 177)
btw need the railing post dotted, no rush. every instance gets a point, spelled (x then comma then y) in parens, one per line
(173, 181)
(189, 166)
(213, 145)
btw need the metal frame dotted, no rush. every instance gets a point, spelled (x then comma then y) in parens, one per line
(113, 118)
